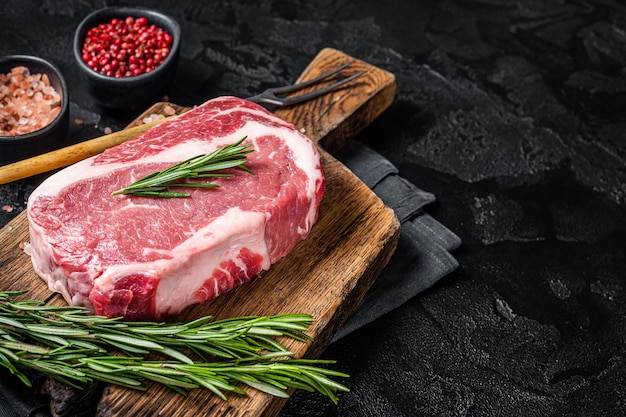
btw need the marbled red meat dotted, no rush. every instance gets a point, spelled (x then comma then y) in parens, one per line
(148, 258)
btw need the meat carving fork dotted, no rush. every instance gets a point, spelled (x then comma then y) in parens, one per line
(270, 96)
(66, 156)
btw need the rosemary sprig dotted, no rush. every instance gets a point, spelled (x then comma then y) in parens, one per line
(157, 184)
(76, 348)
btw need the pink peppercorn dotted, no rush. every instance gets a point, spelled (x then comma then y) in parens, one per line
(126, 47)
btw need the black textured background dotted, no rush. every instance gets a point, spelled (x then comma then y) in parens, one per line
(513, 113)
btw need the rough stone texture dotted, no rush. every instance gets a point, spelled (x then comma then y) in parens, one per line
(510, 112)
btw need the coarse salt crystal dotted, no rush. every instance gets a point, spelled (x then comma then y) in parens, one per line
(152, 118)
(23, 106)
(27, 248)
(169, 110)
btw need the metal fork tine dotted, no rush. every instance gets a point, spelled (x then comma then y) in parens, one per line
(304, 84)
(269, 96)
(316, 93)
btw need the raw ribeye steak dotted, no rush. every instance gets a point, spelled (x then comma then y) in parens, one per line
(147, 258)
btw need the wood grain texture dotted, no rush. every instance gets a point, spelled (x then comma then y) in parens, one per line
(325, 275)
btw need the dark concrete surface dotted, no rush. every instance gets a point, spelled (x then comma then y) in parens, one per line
(512, 113)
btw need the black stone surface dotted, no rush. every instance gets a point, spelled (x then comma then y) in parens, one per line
(512, 113)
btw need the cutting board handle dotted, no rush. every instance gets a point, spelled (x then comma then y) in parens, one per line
(337, 117)
(330, 120)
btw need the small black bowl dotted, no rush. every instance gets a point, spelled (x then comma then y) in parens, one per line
(130, 92)
(49, 137)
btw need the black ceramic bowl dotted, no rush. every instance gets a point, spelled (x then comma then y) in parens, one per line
(49, 137)
(129, 92)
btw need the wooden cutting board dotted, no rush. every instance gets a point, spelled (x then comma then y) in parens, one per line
(326, 275)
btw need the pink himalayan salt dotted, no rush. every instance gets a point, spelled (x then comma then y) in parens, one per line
(27, 102)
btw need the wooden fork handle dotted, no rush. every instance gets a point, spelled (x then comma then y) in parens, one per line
(63, 157)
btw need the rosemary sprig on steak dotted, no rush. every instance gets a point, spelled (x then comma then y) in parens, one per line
(158, 184)
(76, 348)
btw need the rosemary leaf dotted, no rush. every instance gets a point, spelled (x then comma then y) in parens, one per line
(55, 330)
(157, 184)
(23, 347)
(176, 355)
(216, 387)
(132, 341)
(267, 388)
(11, 323)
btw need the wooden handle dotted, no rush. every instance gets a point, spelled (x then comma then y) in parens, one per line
(69, 155)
